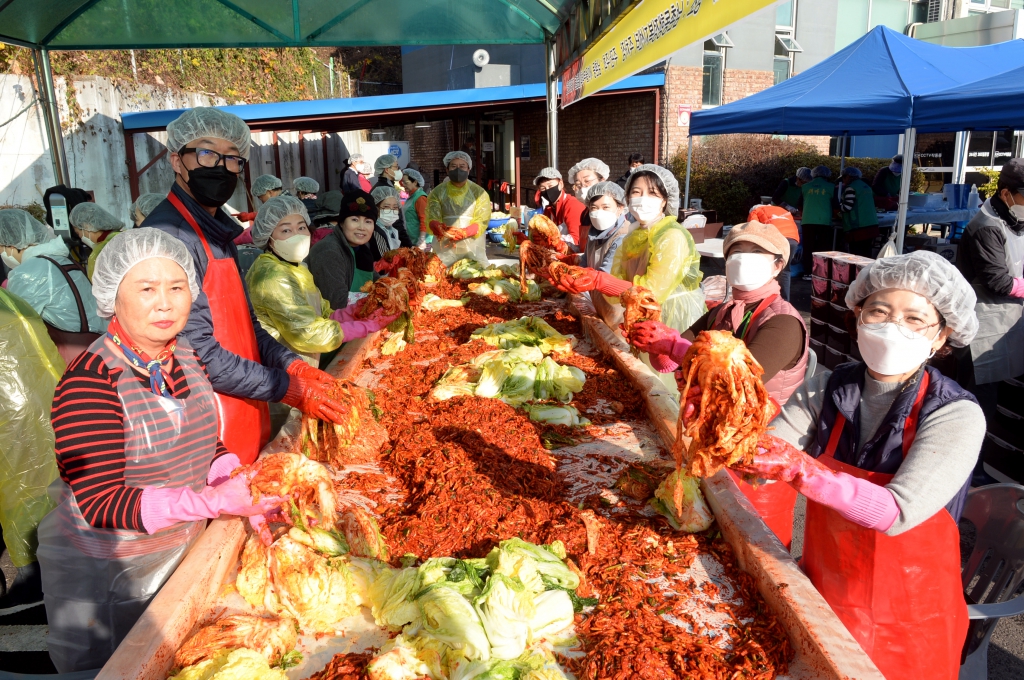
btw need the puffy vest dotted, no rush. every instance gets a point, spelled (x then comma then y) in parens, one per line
(817, 208)
(777, 217)
(863, 213)
(785, 382)
(884, 451)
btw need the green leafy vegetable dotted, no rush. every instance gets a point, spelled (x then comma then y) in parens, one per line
(290, 659)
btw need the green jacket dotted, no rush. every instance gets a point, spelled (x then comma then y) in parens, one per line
(817, 206)
(863, 213)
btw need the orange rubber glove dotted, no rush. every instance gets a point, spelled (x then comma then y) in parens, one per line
(470, 231)
(437, 228)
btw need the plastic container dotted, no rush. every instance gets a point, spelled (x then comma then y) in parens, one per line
(957, 195)
(837, 315)
(1003, 457)
(838, 296)
(821, 265)
(818, 348)
(820, 287)
(838, 339)
(819, 330)
(833, 358)
(1011, 395)
(820, 310)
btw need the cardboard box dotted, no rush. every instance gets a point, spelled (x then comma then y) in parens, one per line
(946, 250)
(697, 234)
(713, 230)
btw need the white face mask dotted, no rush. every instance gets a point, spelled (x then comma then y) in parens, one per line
(749, 271)
(388, 217)
(89, 242)
(1016, 210)
(397, 176)
(646, 208)
(888, 351)
(582, 193)
(603, 220)
(293, 249)
(9, 260)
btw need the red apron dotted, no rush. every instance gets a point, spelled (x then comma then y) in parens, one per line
(773, 502)
(900, 596)
(244, 423)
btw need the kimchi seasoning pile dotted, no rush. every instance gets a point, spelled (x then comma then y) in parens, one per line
(458, 476)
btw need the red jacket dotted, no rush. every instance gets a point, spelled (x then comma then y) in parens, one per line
(778, 217)
(568, 210)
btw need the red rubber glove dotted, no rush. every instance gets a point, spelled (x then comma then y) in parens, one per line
(572, 259)
(471, 231)
(520, 237)
(592, 279)
(654, 337)
(303, 370)
(437, 228)
(311, 397)
(780, 461)
(246, 216)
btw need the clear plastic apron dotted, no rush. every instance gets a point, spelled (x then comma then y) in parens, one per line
(97, 582)
(998, 349)
(457, 211)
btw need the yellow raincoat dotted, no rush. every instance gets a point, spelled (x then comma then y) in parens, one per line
(289, 307)
(29, 370)
(460, 207)
(664, 259)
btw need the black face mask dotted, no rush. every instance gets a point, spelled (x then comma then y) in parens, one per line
(552, 194)
(458, 175)
(212, 187)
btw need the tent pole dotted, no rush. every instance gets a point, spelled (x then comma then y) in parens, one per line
(689, 161)
(842, 154)
(552, 101)
(44, 79)
(909, 137)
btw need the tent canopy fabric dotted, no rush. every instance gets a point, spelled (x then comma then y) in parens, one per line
(868, 88)
(142, 24)
(993, 103)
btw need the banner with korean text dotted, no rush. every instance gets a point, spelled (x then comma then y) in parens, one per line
(646, 35)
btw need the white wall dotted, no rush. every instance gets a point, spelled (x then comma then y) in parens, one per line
(94, 143)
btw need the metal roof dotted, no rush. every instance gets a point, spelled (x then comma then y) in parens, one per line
(269, 116)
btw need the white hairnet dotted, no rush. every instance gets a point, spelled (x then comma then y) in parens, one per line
(205, 121)
(929, 275)
(667, 178)
(610, 189)
(382, 192)
(821, 171)
(265, 183)
(383, 163)
(355, 158)
(305, 185)
(144, 205)
(414, 176)
(545, 174)
(599, 167)
(91, 217)
(272, 212)
(21, 230)
(852, 172)
(452, 155)
(804, 174)
(126, 251)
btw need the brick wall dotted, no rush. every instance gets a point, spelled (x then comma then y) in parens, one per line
(737, 84)
(609, 127)
(428, 146)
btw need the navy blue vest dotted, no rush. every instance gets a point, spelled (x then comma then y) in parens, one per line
(884, 451)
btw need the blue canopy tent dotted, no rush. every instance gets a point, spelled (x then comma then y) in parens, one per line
(993, 103)
(871, 87)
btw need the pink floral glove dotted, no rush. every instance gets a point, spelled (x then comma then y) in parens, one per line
(858, 500)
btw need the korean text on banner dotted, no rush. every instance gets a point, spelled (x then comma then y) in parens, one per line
(646, 35)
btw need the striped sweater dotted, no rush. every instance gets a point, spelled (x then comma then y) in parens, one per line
(88, 425)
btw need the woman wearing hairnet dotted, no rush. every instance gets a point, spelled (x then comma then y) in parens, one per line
(659, 254)
(141, 465)
(386, 170)
(265, 187)
(890, 444)
(142, 206)
(343, 261)
(32, 368)
(287, 301)
(459, 203)
(208, 150)
(586, 174)
(415, 208)
(390, 232)
(96, 227)
(306, 189)
(43, 275)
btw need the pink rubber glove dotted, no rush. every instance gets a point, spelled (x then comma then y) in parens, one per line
(858, 500)
(165, 507)
(359, 328)
(1018, 287)
(221, 468)
(657, 339)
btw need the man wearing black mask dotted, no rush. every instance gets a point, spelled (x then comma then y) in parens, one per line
(209, 149)
(458, 211)
(563, 209)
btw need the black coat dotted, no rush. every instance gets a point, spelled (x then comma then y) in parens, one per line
(981, 257)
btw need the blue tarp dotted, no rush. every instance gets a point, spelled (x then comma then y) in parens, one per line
(868, 88)
(994, 103)
(320, 108)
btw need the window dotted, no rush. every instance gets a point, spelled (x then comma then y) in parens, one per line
(784, 14)
(714, 70)
(984, 6)
(785, 48)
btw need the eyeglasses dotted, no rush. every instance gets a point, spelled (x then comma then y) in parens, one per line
(874, 319)
(211, 159)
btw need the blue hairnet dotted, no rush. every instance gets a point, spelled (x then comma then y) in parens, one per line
(821, 171)
(306, 185)
(382, 192)
(383, 163)
(205, 121)
(272, 212)
(144, 205)
(91, 217)
(265, 183)
(804, 174)
(21, 230)
(414, 176)
(127, 250)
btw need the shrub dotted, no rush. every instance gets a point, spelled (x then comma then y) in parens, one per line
(732, 172)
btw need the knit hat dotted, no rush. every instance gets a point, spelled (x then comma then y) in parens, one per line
(764, 235)
(357, 203)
